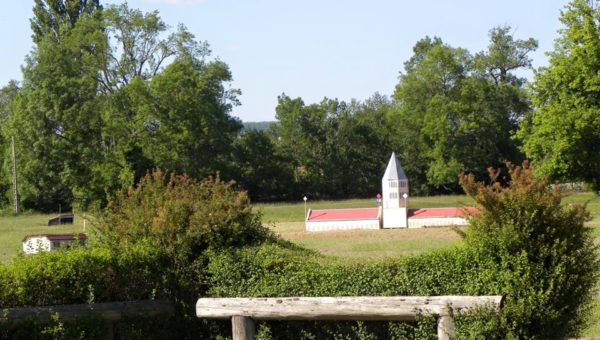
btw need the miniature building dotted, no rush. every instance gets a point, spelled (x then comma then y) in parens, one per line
(343, 219)
(394, 186)
(394, 212)
(33, 244)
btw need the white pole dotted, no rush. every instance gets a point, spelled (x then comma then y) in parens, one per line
(305, 207)
(14, 174)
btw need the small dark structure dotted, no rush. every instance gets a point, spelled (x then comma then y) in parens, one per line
(61, 219)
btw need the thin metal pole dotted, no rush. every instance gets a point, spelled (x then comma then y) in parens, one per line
(14, 173)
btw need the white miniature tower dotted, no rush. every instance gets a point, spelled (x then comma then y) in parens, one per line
(394, 186)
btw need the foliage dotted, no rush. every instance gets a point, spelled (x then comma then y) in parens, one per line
(89, 275)
(82, 275)
(272, 270)
(182, 215)
(106, 98)
(335, 148)
(261, 169)
(537, 253)
(183, 218)
(562, 134)
(52, 18)
(55, 116)
(458, 112)
(504, 55)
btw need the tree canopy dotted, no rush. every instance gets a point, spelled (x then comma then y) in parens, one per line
(563, 133)
(457, 112)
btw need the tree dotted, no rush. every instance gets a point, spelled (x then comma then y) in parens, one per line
(56, 116)
(188, 126)
(106, 98)
(336, 148)
(452, 115)
(261, 169)
(562, 135)
(137, 49)
(504, 55)
(7, 96)
(167, 104)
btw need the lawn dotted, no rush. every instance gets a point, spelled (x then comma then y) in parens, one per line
(13, 229)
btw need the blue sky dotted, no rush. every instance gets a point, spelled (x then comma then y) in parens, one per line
(311, 48)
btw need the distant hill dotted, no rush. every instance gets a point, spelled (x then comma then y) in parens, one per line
(260, 126)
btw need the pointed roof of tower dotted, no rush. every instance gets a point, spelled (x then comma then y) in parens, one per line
(394, 170)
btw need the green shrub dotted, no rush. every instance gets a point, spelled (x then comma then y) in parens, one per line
(271, 270)
(183, 216)
(534, 251)
(182, 239)
(82, 275)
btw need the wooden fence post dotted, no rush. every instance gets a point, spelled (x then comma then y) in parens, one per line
(445, 324)
(242, 328)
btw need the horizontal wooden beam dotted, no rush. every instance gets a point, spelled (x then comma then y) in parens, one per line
(404, 308)
(110, 311)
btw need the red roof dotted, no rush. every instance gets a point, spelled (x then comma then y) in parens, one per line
(343, 214)
(440, 212)
(58, 237)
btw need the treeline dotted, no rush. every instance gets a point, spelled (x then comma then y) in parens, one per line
(109, 93)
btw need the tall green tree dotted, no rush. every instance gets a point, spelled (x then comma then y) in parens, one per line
(456, 112)
(141, 46)
(7, 95)
(56, 117)
(168, 105)
(505, 54)
(303, 136)
(189, 128)
(563, 133)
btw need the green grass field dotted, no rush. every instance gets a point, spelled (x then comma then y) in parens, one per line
(13, 229)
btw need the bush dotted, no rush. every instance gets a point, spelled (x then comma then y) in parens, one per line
(82, 275)
(183, 216)
(271, 270)
(182, 239)
(534, 251)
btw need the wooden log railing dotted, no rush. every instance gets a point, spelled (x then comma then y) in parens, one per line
(243, 311)
(109, 311)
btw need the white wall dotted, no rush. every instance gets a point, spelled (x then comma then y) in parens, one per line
(435, 222)
(36, 244)
(394, 218)
(342, 225)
